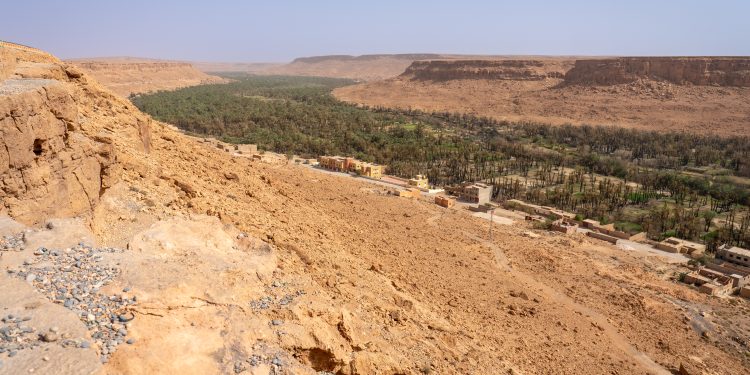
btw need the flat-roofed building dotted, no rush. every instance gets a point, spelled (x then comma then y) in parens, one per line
(476, 193)
(371, 170)
(347, 164)
(710, 282)
(734, 254)
(479, 193)
(420, 181)
(444, 201)
(677, 245)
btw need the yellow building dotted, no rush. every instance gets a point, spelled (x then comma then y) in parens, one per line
(345, 164)
(420, 181)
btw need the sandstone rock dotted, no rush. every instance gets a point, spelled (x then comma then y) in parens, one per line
(720, 71)
(517, 70)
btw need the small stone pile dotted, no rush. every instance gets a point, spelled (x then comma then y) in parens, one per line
(17, 335)
(12, 242)
(269, 358)
(73, 277)
(270, 301)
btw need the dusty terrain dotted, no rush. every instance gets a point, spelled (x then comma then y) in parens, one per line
(699, 95)
(127, 75)
(223, 264)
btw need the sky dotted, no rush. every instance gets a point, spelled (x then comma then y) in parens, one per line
(279, 31)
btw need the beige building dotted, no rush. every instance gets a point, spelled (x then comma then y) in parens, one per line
(734, 254)
(420, 181)
(476, 193)
(345, 164)
(710, 282)
(677, 245)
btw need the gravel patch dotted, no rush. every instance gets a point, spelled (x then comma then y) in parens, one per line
(12, 242)
(73, 278)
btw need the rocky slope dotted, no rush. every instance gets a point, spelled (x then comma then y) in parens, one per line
(703, 95)
(193, 260)
(127, 76)
(704, 71)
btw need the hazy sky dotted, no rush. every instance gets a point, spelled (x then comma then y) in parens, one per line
(223, 30)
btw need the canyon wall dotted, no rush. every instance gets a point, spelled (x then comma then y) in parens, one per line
(703, 71)
(520, 70)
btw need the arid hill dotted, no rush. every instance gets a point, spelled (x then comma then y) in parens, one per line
(220, 264)
(127, 75)
(703, 95)
(365, 67)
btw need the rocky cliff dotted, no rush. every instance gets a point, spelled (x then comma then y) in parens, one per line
(703, 71)
(55, 155)
(520, 70)
(127, 76)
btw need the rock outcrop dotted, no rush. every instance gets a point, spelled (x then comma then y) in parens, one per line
(56, 149)
(48, 168)
(703, 71)
(516, 70)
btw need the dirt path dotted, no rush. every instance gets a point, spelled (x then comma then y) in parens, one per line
(597, 319)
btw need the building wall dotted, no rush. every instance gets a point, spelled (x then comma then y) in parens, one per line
(444, 201)
(733, 257)
(602, 236)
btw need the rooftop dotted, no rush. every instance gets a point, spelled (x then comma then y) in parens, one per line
(737, 250)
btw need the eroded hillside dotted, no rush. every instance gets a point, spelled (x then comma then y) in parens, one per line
(700, 95)
(127, 76)
(224, 264)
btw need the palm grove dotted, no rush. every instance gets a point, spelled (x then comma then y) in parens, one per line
(695, 187)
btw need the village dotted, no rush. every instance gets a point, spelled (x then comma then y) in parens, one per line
(725, 274)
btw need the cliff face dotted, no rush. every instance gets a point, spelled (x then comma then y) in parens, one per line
(444, 70)
(128, 76)
(55, 153)
(703, 71)
(48, 169)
